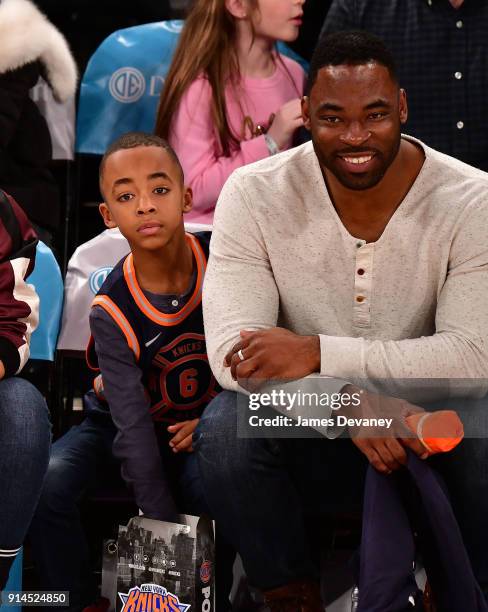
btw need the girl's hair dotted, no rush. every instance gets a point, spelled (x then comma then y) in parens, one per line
(206, 46)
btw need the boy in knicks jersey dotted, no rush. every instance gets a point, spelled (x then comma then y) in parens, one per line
(146, 321)
(148, 344)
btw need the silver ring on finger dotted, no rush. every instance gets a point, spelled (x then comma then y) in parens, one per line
(240, 355)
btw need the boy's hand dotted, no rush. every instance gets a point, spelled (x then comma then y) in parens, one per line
(182, 439)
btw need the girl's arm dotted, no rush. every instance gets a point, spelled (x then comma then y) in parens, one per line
(194, 138)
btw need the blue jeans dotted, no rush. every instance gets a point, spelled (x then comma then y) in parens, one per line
(25, 438)
(80, 460)
(263, 493)
(267, 495)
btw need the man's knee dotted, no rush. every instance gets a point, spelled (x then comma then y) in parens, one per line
(25, 417)
(219, 419)
(78, 461)
(57, 497)
(224, 454)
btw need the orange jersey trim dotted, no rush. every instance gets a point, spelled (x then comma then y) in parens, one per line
(117, 315)
(92, 366)
(148, 309)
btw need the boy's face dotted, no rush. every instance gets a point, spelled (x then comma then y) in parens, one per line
(144, 196)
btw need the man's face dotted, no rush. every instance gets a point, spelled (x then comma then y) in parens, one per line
(144, 196)
(355, 115)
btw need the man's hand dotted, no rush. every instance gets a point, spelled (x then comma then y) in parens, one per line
(272, 354)
(386, 453)
(182, 440)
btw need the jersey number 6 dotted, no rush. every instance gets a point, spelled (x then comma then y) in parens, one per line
(188, 382)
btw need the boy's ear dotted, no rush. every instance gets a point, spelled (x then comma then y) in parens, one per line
(107, 217)
(187, 200)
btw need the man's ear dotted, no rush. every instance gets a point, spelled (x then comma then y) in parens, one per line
(187, 200)
(306, 112)
(403, 106)
(107, 217)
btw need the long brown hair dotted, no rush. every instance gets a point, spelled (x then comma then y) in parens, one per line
(206, 46)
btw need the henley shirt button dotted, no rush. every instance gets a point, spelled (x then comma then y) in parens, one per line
(460, 125)
(458, 75)
(360, 298)
(174, 303)
(359, 245)
(459, 24)
(361, 271)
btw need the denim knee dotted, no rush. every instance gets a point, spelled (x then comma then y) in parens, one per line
(56, 495)
(222, 454)
(24, 419)
(219, 418)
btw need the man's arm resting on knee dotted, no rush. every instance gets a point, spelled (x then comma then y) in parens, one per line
(272, 354)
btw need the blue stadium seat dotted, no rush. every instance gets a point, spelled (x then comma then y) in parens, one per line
(14, 582)
(122, 83)
(48, 282)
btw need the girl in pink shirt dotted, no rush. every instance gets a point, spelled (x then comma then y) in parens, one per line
(230, 99)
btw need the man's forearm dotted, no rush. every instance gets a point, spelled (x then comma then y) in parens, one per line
(398, 364)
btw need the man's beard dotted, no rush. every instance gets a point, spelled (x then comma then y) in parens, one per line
(358, 182)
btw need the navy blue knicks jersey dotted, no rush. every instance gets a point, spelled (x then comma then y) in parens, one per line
(169, 348)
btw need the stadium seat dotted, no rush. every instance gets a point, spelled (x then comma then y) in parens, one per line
(40, 369)
(48, 283)
(14, 583)
(88, 267)
(123, 81)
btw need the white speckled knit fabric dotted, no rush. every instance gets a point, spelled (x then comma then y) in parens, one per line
(413, 304)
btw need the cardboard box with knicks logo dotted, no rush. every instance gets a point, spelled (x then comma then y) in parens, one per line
(161, 566)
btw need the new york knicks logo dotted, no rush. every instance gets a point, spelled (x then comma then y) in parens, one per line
(206, 571)
(181, 378)
(151, 597)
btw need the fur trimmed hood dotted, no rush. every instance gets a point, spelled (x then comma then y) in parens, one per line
(26, 36)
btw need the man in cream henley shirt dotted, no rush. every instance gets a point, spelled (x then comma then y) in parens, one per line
(359, 257)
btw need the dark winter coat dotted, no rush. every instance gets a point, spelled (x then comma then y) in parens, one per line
(30, 46)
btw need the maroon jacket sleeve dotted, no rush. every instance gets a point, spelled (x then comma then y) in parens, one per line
(19, 304)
